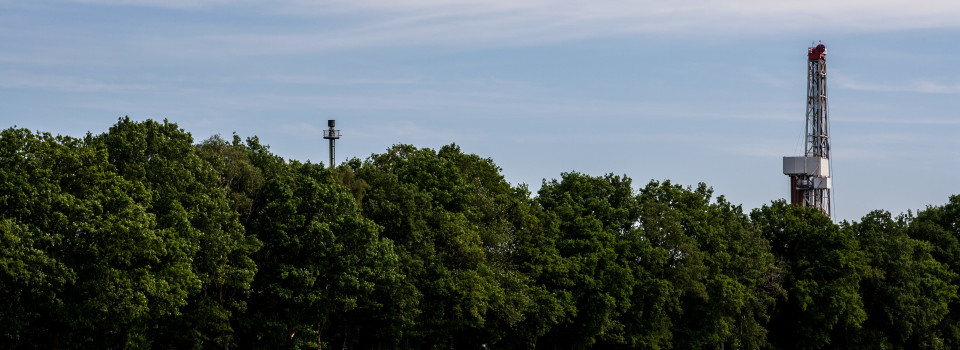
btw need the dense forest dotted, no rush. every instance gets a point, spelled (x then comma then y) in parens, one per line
(141, 237)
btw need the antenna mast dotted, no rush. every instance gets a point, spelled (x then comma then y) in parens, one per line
(332, 135)
(810, 174)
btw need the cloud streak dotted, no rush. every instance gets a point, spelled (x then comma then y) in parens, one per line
(915, 86)
(338, 25)
(172, 4)
(17, 80)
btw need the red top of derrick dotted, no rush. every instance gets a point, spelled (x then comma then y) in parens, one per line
(817, 53)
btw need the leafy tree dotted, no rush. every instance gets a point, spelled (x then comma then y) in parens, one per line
(587, 218)
(728, 276)
(235, 172)
(31, 282)
(112, 272)
(940, 226)
(323, 268)
(451, 217)
(906, 292)
(196, 216)
(139, 238)
(32, 275)
(534, 250)
(822, 270)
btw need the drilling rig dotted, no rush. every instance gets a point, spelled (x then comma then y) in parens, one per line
(810, 173)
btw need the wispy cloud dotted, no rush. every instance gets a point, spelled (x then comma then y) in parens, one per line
(915, 86)
(467, 100)
(335, 25)
(612, 137)
(327, 80)
(615, 14)
(883, 138)
(871, 154)
(29, 59)
(20, 80)
(911, 120)
(173, 4)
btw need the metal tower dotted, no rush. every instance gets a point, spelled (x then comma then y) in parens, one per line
(810, 174)
(332, 135)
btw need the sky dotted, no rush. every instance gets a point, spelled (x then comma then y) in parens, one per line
(708, 91)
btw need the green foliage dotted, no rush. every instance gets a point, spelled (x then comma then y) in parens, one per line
(588, 217)
(103, 269)
(720, 262)
(907, 291)
(940, 227)
(822, 270)
(139, 238)
(322, 265)
(196, 217)
(452, 218)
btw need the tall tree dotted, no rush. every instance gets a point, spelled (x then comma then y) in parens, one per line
(113, 273)
(940, 226)
(587, 218)
(193, 211)
(727, 297)
(451, 217)
(822, 270)
(906, 292)
(323, 267)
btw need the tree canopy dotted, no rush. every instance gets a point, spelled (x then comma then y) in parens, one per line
(141, 237)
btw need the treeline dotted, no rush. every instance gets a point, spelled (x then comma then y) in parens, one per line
(140, 238)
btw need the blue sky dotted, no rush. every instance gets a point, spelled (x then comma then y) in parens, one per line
(691, 91)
